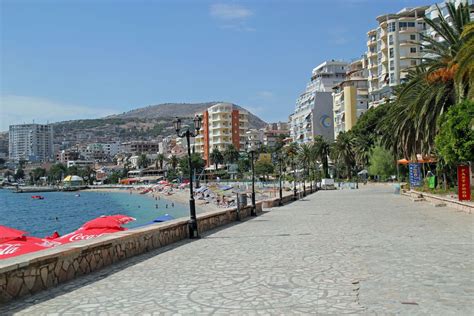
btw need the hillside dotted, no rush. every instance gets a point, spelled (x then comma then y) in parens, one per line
(147, 123)
(180, 110)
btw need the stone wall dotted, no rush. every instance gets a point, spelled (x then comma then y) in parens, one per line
(31, 273)
(38, 271)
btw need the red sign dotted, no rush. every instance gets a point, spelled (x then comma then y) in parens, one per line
(464, 186)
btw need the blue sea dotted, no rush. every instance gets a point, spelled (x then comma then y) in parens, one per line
(65, 212)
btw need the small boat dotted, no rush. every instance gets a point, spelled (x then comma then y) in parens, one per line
(37, 197)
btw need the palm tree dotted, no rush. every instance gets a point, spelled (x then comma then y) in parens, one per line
(160, 159)
(142, 161)
(343, 151)
(362, 150)
(305, 156)
(173, 160)
(216, 157)
(321, 150)
(430, 88)
(464, 76)
(231, 154)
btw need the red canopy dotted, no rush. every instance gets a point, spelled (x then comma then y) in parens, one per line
(7, 233)
(97, 227)
(23, 245)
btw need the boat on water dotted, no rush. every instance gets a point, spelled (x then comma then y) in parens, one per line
(37, 197)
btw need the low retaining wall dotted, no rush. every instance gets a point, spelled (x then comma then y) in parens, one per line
(461, 206)
(275, 202)
(38, 271)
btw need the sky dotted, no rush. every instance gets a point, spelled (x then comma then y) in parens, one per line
(73, 59)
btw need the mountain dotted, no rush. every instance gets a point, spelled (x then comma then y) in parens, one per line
(183, 110)
(147, 123)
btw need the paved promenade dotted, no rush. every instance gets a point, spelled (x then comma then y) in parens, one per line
(364, 251)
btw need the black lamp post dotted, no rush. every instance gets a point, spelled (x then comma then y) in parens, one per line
(294, 178)
(193, 229)
(279, 158)
(253, 147)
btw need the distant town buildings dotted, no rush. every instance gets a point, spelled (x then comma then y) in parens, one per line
(222, 126)
(31, 142)
(274, 131)
(139, 147)
(350, 97)
(392, 49)
(313, 113)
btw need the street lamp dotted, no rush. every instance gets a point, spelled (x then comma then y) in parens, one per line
(294, 178)
(193, 228)
(279, 158)
(253, 147)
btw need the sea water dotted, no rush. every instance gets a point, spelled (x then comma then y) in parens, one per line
(66, 211)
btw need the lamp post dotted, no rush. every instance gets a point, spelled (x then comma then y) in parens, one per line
(253, 146)
(278, 157)
(294, 178)
(193, 229)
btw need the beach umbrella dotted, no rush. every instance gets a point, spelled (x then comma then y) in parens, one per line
(97, 227)
(7, 233)
(163, 218)
(123, 219)
(24, 245)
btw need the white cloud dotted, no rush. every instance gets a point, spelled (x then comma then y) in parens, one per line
(230, 11)
(232, 16)
(16, 109)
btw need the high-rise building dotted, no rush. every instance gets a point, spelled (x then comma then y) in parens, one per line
(350, 97)
(222, 125)
(313, 112)
(392, 48)
(32, 142)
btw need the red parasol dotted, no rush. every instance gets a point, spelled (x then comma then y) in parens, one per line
(97, 227)
(7, 233)
(23, 245)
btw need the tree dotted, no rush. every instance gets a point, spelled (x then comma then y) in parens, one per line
(216, 157)
(57, 172)
(430, 89)
(343, 151)
(263, 168)
(305, 156)
(321, 150)
(37, 173)
(197, 164)
(455, 141)
(231, 154)
(142, 161)
(19, 174)
(464, 76)
(382, 162)
(173, 161)
(160, 159)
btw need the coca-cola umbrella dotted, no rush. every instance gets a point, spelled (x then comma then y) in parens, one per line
(97, 227)
(23, 245)
(7, 233)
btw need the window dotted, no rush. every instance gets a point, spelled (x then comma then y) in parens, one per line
(390, 39)
(413, 62)
(392, 27)
(412, 49)
(402, 24)
(391, 52)
(413, 37)
(411, 24)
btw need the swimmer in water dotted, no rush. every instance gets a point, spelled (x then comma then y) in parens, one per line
(166, 205)
(57, 219)
(138, 206)
(172, 204)
(156, 205)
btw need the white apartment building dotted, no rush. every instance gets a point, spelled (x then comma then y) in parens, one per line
(350, 97)
(392, 48)
(222, 125)
(313, 113)
(32, 142)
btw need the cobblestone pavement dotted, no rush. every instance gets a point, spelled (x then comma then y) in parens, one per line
(364, 251)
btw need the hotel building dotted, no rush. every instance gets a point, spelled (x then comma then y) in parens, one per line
(222, 125)
(392, 48)
(350, 97)
(32, 142)
(313, 113)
